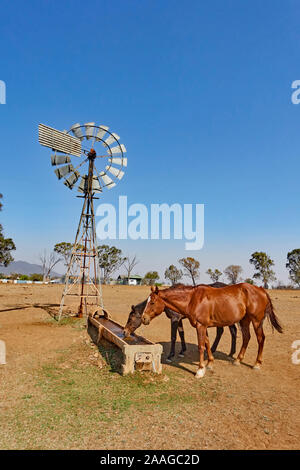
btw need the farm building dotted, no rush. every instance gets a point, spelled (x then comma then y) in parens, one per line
(134, 280)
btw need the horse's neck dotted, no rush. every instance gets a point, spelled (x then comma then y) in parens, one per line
(176, 302)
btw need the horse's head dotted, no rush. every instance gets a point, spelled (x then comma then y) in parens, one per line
(134, 321)
(154, 306)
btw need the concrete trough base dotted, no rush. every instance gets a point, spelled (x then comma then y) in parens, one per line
(138, 352)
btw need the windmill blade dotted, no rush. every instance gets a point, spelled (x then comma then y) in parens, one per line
(76, 129)
(101, 132)
(96, 188)
(112, 139)
(115, 171)
(83, 185)
(82, 188)
(89, 129)
(59, 141)
(118, 161)
(63, 171)
(107, 180)
(118, 149)
(60, 159)
(72, 179)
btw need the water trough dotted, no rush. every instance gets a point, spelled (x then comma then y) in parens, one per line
(138, 353)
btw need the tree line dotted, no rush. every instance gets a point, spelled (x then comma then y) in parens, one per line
(260, 260)
(111, 259)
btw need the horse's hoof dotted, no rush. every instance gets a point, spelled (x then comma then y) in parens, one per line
(181, 355)
(256, 367)
(209, 367)
(200, 373)
(236, 362)
(169, 359)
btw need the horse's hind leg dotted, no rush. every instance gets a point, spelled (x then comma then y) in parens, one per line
(245, 323)
(233, 331)
(258, 328)
(181, 334)
(220, 331)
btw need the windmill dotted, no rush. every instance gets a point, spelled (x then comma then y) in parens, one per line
(77, 155)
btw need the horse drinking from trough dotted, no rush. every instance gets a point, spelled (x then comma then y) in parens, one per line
(135, 320)
(207, 306)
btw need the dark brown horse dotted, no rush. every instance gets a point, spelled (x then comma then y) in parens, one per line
(135, 320)
(206, 307)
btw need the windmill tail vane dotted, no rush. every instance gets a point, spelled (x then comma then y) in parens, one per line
(78, 154)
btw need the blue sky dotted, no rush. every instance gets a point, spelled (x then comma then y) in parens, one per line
(200, 93)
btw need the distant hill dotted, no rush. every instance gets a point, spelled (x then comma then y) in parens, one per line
(22, 267)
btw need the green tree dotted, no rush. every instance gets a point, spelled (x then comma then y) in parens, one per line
(263, 265)
(150, 277)
(110, 259)
(36, 277)
(214, 275)
(249, 281)
(190, 268)
(293, 265)
(233, 272)
(6, 246)
(64, 249)
(173, 274)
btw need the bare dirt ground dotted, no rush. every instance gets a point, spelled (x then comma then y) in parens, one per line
(58, 392)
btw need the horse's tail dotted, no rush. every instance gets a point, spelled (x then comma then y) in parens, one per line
(269, 312)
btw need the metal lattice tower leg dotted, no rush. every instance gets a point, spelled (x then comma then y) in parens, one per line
(86, 285)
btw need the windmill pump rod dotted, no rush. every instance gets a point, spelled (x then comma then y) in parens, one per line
(91, 156)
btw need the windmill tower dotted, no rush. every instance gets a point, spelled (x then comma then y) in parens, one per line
(77, 154)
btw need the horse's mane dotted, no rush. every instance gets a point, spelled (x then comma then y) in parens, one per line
(182, 287)
(179, 287)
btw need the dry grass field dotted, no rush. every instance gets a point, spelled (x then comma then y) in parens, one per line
(58, 391)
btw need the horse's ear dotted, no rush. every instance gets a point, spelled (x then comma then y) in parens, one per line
(132, 308)
(152, 288)
(156, 290)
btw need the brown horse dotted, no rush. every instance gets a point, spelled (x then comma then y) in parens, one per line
(135, 320)
(206, 307)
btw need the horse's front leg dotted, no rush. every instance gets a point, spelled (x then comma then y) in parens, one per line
(202, 340)
(174, 328)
